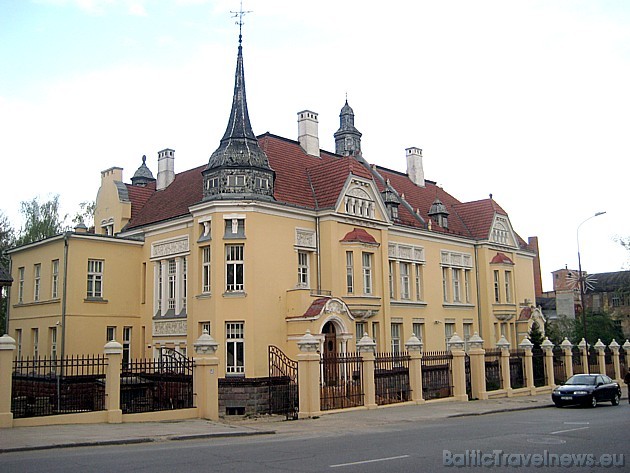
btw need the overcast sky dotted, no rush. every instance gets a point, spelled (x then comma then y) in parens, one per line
(527, 100)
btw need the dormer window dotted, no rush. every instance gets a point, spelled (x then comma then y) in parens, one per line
(212, 183)
(262, 183)
(236, 180)
(358, 202)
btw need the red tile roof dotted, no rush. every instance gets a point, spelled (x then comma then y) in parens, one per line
(316, 183)
(358, 235)
(501, 258)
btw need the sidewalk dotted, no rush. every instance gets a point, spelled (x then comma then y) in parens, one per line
(60, 436)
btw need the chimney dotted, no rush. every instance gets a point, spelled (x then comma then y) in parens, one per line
(307, 132)
(415, 171)
(166, 168)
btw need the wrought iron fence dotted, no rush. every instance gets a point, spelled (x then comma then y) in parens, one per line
(391, 378)
(49, 386)
(609, 364)
(593, 363)
(559, 371)
(160, 384)
(468, 373)
(341, 381)
(538, 365)
(437, 375)
(623, 362)
(576, 355)
(493, 369)
(283, 386)
(517, 373)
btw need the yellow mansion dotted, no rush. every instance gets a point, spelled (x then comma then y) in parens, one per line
(267, 239)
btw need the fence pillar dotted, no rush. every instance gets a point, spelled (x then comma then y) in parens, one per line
(7, 347)
(614, 348)
(308, 376)
(601, 356)
(206, 377)
(504, 346)
(414, 348)
(527, 345)
(367, 349)
(113, 351)
(547, 345)
(583, 346)
(477, 367)
(456, 346)
(567, 350)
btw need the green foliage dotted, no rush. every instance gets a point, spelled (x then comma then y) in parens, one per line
(558, 329)
(41, 220)
(598, 326)
(535, 335)
(7, 236)
(86, 214)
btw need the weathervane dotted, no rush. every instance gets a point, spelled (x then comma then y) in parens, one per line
(240, 14)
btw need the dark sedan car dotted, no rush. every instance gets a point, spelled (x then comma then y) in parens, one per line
(587, 390)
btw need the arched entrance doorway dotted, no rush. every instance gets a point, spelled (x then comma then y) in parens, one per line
(329, 354)
(330, 338)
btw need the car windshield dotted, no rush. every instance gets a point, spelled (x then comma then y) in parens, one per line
(581, 379)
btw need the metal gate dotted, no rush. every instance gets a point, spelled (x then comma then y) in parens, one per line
(283, 384)
(468, 376)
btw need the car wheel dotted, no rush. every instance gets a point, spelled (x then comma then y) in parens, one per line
(615, 400)
(593, 401)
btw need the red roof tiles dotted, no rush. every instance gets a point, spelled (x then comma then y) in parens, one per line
(358, 235)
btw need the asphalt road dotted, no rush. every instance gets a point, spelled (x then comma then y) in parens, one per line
(512, 441)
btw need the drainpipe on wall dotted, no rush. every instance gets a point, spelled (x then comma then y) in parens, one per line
(6, 320)
(478, 293)
(319, 259)
(66, 238)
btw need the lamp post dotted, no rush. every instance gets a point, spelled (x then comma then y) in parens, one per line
(581, 279)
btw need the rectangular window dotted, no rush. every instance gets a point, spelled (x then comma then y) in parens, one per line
(236, 180)
(404, 280)
(235, 347)
(349, 272)
(445, 284)
(449, 330)
(467, 334)
(204, 326)
(419, 292)
(497, 292)
(234, 266)
(396, 334)
(456, 274)
(360, 330)
(172, 279)
(467, 285)
(35, 337)
(126, 354)
(111, 334)
(18, 342)
(53, 343)
(392, 293)
(160, 287)
(54, 292)
(184, 282)
(205, 270)
(37, 270)
(302, 269)
(418, 330)
(508, 287)
(95, 278)
(367, 273)
(376, 334)
(20, 285)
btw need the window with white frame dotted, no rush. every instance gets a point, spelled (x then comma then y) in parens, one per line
(367, 273)
(445, 294)
(95, 279)
(20, 285)
(172, 283)
(37, 279)
(110, 334)
(449, 330)
(497, 288)
(53, 343)
(204, 326)
(396, 337)
(508, 286)
(349, 272)
(54, 292)
(468, 332)
(303, 269)
(360, 330)
(183, 288)
(235, 347)
(419, 288)
(404, 281)
(392, 293)
(467, 286)
(418, 329)
(358, 202)
(234, 268)
(205, 269)
(126, 354)
(456, 274)
(35, 339)
(18, 342)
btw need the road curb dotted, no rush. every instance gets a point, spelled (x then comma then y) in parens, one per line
(498, 411)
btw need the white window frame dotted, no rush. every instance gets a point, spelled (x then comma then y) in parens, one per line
(467, 285)
(95, 278)
(449, 330)
(235, 259)
(456, 276)
(303, 269)
(18, 342)
(392, 292)
(508, 286)
(235, 348)
(126, 344)
(419, 280)
(445, 285)
(350, 272)
(360, 329)
(21, 285)
(366, 259)
(37, 281)
(405, 286)
(35, 335)
(54, 290)
(110, 334)
(497, 288)
(53, 343)
(396, 332)
(418, 329)
(206, 261)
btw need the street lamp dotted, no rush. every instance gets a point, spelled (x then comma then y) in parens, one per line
(581, 278)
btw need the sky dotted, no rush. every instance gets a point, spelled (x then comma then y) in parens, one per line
(526, 100)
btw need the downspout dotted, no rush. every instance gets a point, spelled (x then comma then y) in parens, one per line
(6, 321)
(66, 238)
(478, 292)
(319, 258)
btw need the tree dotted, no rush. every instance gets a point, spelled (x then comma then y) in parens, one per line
(41, 220)
(86, 214)
(598, 326)
(535, 335)
(7, 236)
(559, 328)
